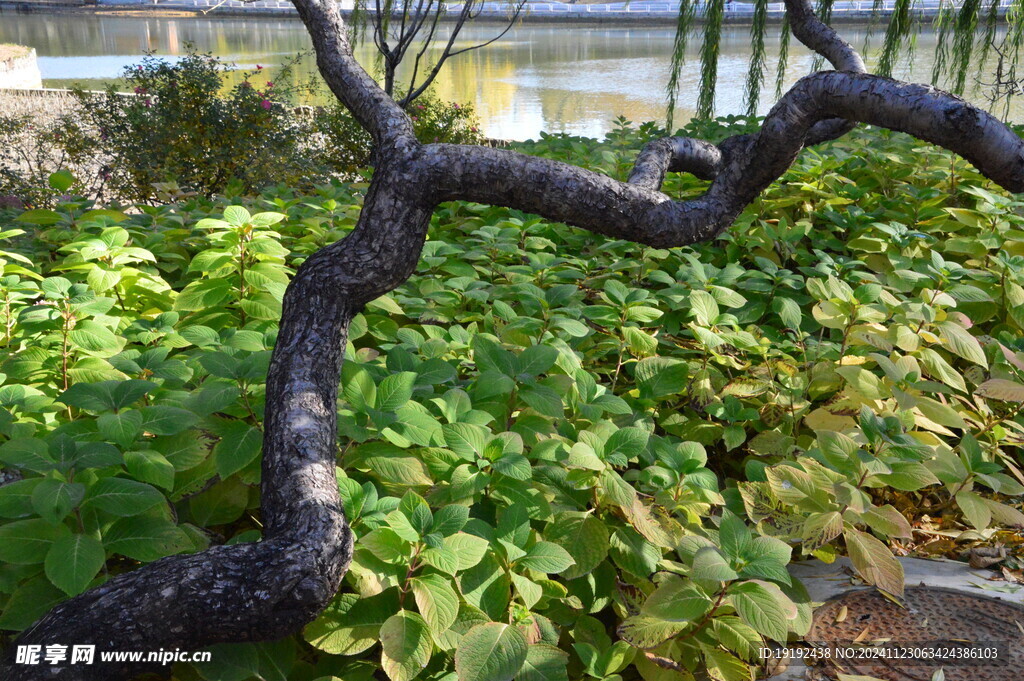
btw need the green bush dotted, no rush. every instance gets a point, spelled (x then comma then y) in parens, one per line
(346, 146)
(593, 458)
(183, 128)
(186, 125)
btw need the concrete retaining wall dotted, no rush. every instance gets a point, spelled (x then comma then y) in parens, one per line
(21, 71)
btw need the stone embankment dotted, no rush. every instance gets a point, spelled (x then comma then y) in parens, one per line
(18, 67)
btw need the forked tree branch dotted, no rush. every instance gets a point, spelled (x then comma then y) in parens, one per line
(269, 589)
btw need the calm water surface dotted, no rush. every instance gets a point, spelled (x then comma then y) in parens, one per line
(555, 78)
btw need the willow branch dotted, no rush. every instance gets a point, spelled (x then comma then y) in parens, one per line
(703, 159)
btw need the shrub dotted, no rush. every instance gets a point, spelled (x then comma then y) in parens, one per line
(183, 124)
(346, 146)
(183, 128)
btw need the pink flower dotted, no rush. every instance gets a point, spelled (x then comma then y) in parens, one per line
(139, 90)
(148, 103)
(415, 118)
(265, 103)
(270, 84)
(456, 106)
(259, 68)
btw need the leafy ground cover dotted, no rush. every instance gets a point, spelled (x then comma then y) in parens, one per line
(564, 457)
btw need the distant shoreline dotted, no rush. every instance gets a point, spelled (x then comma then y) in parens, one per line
(283, 9)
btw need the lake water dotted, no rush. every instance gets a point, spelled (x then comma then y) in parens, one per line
(553, 78)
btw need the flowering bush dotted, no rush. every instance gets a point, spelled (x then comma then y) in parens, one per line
(170, 129)
(184, 125)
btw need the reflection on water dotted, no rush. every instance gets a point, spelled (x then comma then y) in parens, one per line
(553, 78)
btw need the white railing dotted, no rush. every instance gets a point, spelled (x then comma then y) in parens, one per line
(737, 7)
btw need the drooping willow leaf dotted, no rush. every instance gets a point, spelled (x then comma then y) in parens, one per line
(755, 73)
(943, 23)
(897, 36)
(780, 69)
(988, 41)
(963, 43)
(710, 51)
(824, 10)
(684, 23)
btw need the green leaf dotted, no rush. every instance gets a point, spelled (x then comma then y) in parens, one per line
(764, 607)
(29, 454)
(26, 542)
(486, 585)
(203, 294)
(122, 428)
(468, 548)
(236, 216)
(961, 342)
(585, 539)
(41, 217)
(16, 497)
(633, 553)
(150, 466)
(974, 509)
(33, 599)
(704, 307)
(395, 390)
(628, 442)
(450, 519)
(405, 646)
(490, 652)
(788, 310)
(145, 539)
(106, 395)
(95, 339)
(660, 377)
(223, 503)
(465, 439)
(724, 666)
(734, 535)
(711, 566)
(544, 662)
(54, 499)
(122, 497)
(240, 443)
(646, 632)
(536, 360)
(436, 600)
(546, 557)
(351, 625)
(676, 600)
(167, 420)
(73, 561)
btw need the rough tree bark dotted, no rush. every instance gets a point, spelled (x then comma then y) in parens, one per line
(272, 588)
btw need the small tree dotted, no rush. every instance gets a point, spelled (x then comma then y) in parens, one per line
(269, 589)
(402, 28)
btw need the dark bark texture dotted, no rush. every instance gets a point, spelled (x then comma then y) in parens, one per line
(272, 588)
